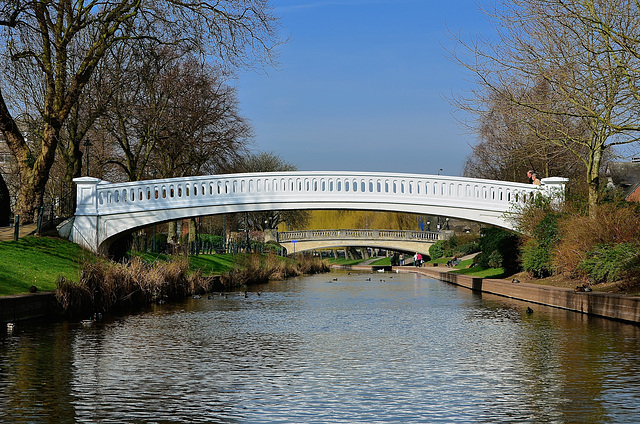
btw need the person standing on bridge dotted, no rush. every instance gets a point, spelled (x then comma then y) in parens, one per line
(530, 176)
(535, 180)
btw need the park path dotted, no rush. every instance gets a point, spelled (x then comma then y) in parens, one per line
(7, 233)
(409, 260)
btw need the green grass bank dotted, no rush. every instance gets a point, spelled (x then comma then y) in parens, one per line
(85, 284)
(41, 261)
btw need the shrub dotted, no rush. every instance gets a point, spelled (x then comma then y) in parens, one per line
(161, 242)
(537, 254)
(467, 248)
(611, 224)
(536, 259)
(210, 238)
(452, 247)
(499, 249)
(529, 215)
(436, 250)
(609, 263)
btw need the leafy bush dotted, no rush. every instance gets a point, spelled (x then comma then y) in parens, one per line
(467, 248)
(436, 250)
(537, 254)
(161, 242)
(546, 232)
(609, 263)
(452, 247)
(499, 249)
(537, 259)
(210, 238)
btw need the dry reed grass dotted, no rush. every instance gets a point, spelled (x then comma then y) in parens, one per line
(257, 269)
(106, 286)
(610, 224)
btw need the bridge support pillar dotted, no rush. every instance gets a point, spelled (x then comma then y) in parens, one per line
(85, 224)
(271, 236)
(555, 188)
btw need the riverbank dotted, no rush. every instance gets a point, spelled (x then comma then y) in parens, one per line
(609, 305)
(49, 277)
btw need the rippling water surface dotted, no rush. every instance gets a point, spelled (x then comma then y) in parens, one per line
(312, 350)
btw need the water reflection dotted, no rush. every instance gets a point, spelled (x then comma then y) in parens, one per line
(362, 348)
(36, 375)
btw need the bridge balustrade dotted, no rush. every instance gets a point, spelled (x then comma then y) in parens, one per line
(364, 234)
(167, 193)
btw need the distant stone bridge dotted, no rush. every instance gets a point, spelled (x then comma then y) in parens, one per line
(404, 240)
(107, 211)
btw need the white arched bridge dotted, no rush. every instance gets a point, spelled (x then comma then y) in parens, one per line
(107, 211)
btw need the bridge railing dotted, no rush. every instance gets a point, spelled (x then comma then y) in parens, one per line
(343, 234)
(96, 197)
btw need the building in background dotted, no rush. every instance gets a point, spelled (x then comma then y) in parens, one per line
(626, 177)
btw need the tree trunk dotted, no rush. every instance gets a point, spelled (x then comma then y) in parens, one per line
(171, 231)
(73, 169)
(5, 203)
(34, 176)
(593, 180)
(192, 230)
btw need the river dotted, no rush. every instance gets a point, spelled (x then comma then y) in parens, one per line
(329, 348)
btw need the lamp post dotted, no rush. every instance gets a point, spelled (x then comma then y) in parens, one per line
(447, 227)
(439, 171)
(86, 145)
(246, 231)
(428, 225)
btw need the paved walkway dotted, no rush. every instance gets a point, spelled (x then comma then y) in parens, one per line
(6, 233)
(409, 260)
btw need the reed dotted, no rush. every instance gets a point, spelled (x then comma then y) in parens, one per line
(106, 286)
(260, 269)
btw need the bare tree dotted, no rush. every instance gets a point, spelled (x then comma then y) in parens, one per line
(545, 40)
(203, 128)
(513, 140)
(59, 44)
(172, 116)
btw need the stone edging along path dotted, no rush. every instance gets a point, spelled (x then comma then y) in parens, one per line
(614, 306)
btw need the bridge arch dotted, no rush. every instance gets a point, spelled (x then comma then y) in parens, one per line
(107, 210)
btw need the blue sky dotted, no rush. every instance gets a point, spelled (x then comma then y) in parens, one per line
(362, 85)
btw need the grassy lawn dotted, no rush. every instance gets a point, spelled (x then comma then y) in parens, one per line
(438, 261)
(464, 264)
(382, 261)
(464, 268)
(38, 261)
(477, 271)
(342, 261)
